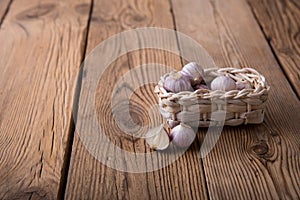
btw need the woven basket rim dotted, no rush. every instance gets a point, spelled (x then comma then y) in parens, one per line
(257, 80)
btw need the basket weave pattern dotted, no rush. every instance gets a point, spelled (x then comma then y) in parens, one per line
(206, 107)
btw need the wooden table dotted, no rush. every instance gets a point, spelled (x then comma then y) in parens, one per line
(43, 44)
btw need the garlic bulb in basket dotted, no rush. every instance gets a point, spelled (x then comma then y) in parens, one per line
(240, 85)
(200, 86)
(176, 82)
(194, 72)
(223, 83)
(182, 135)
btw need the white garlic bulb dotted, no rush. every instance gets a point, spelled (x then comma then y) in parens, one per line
(223, 83)
(182, 135)
(171, 123)
(200, 86)
(176, 82)
(157, 138)
(240, 85)
(194, 71)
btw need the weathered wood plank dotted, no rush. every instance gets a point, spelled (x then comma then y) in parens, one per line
(4, 5)
(280, 22)
(248, 162)
(41, 51)
(90, 179)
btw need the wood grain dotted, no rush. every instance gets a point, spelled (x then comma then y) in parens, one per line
(41, 51)
(4, 6)
(280, 22)
(248, 162)
(90, 179)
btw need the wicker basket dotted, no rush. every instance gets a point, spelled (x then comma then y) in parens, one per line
(204, 107)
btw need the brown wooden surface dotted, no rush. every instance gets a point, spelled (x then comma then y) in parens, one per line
(41, 51)
(108, 183)
(42, 46)
(280, 22)
(248, 162)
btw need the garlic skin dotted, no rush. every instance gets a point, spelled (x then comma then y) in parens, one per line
(157, 138)
(176, 82)
(194, 72)
(200, 86)
(240, 85)
(165, 113)
(182, 136)
(171, 123)
(224, 83)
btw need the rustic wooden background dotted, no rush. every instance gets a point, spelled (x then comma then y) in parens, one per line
(42, 44)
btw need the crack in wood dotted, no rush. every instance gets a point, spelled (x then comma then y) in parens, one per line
(5, 12)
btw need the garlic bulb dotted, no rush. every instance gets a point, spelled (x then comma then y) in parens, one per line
(157, 138)
(171, 123)
(176, 82)
(182, 135)
(240, 85)
(223, 83)
(200, 86)
(194, 72)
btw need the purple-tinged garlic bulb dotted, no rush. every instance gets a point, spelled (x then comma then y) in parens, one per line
(240, 85)
(200, 86)
(182, 135)
(194, 72)
(171, 123)
(224, 83)
(176, 82)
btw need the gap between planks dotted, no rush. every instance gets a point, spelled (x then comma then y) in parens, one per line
(214, 175)
(268, 40)
(72, 128)
(5, 12)
(47, 170)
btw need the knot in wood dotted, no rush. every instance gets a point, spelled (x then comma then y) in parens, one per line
(260, 149)
(139, 18)
(36, 11)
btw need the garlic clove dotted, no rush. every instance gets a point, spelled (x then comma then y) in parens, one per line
(182, 135)
(194, 72)
(158, 138)
(224, 83)
(154, 131)
(176, 82)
